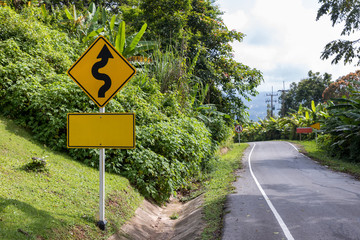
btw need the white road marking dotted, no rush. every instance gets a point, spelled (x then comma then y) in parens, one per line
(271, 206)
(298, 150)
(293, 146)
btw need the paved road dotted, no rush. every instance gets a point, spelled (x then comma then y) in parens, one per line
(281, 194)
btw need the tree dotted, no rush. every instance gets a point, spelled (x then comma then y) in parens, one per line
(195, 29)
(347, 12)
(342, 86)
(307, 90)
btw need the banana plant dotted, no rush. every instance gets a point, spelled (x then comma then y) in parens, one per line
(132, 46)
(343, 126)
(92, 28)
(99, 21)
(74, 19)
(346, 111)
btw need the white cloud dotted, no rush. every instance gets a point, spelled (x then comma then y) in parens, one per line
(282, 34)
(238, 20)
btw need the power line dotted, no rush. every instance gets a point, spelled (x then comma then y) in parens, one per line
(271, 100)
(283, 92)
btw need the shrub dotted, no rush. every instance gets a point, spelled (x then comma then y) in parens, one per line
(172, 148)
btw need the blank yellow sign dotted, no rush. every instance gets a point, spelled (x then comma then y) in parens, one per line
(101, 130)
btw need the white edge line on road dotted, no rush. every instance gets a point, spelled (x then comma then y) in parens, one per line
(271, 206)
(298, 150)
(293, 146)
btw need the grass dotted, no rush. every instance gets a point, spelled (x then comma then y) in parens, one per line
(341, 165)
(174, 216)
(216, 189)
(61, 203)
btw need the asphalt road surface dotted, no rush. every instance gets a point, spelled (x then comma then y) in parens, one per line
(282, 194)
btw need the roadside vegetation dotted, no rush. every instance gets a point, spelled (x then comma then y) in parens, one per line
(218, 187)
(181, 114)
(187, 96)
(337, 111)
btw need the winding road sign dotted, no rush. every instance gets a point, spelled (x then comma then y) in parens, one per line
(101, 71)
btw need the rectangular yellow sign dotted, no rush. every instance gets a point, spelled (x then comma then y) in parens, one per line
(101, 130)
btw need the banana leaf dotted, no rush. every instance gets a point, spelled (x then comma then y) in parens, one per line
(135, 40)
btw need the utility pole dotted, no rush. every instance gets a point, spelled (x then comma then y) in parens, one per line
(282, 95)
(272, 101)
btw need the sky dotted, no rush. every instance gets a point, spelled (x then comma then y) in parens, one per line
(283, 39)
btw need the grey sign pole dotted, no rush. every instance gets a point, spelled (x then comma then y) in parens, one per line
(102, 221)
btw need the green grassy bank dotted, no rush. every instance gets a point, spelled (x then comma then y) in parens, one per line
(60, 203)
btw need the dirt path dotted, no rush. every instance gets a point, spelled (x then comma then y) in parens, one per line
(154, 223)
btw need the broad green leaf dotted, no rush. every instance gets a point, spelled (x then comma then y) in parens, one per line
(313, 108)
(74, 12)
(43, 10)
(112, 22)
(68, 14)
(92, 8)
(92, 34)
(136, 39)
(120, 38)
(103, 16)
(96, 16)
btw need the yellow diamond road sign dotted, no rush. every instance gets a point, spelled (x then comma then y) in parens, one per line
(101, 71)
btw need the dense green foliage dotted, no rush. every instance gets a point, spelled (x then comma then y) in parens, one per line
(195, 30)
(303, 93)
(344, 127)
(285, 127)
(176, 134)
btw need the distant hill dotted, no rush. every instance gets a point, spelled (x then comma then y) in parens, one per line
(257, 107)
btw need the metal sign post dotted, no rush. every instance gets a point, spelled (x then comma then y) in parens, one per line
(101, 87)
(317, 127)
(238, 129)
(102, 222)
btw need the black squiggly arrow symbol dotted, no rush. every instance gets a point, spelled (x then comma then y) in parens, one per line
(104, 54)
